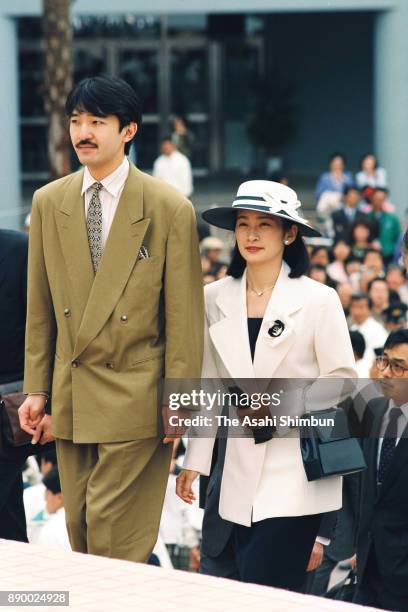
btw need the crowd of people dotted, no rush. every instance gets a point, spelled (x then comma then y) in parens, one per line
(115, 302)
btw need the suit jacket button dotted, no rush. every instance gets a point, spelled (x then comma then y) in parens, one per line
(67, 312)
(124, 318)
(109, 365)
(75, 363)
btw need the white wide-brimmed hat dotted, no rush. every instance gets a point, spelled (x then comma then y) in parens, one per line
(262, 196)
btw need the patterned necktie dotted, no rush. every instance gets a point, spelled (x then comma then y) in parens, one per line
(389, 444)
(94, 226)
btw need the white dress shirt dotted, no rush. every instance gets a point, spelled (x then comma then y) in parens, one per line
(109, 196)
(402, 422)
(175, 169)
(374, 334)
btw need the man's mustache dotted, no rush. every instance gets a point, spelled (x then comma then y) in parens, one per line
(85, 142)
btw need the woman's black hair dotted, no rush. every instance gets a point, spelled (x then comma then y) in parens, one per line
(368, 155)
(367, 224)
(295, 255)
(105, 95)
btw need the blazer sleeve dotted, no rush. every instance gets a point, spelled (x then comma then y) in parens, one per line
(199, 452)
(183, 297)
(334, 355)
(41, 326)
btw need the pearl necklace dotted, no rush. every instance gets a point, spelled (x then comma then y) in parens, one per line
(260, 293)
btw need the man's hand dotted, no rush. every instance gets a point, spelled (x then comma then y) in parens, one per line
(173, 432)
(31, 413)
(184, 484)
(43, 431)
(316, 557)
(353, 562)
(194, 559)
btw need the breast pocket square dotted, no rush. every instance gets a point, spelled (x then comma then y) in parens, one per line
(143, 253)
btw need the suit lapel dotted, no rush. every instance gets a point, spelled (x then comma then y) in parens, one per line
(399, 459)
(230, 334)
(119, 257)
(71, 226)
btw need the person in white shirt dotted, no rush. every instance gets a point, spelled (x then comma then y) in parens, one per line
(374, 333)
(174, 168)
(54, 532)
(359, 348)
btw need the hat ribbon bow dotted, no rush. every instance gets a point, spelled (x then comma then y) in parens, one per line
(276, 205)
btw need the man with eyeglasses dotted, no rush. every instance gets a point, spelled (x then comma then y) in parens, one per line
(382, 544)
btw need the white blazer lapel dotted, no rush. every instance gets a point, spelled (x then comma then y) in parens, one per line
(285, 300)
(230, 333)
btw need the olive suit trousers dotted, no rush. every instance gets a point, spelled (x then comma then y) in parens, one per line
(113, 495)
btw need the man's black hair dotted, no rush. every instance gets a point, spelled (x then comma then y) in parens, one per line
(374, 251)
(334, 155)
(166, 138)
(356, 297)
(348, 188)
(318, 248)
(399, 336)
(105, 95)
(375, 280)
(358, 343)
(295, 255)
(50, 456)
(52, 481)
(382, 189)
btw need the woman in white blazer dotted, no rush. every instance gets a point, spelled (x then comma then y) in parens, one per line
(268, 320)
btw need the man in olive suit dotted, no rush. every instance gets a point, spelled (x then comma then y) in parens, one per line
(114, 306)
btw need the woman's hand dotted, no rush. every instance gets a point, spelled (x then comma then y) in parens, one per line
(184, 488)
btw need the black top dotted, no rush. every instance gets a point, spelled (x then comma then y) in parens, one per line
(260, 434)
(254, 325)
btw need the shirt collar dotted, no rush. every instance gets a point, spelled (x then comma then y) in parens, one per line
(113, 183)
(404, 408)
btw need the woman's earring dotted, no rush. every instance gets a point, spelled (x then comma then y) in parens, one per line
(286, 242)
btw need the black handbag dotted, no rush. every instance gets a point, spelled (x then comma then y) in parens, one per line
(328, 450)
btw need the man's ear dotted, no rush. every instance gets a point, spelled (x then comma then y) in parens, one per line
(130, 131)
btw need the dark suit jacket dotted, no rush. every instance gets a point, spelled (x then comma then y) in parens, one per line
(13, 302)
(383, 526)
(342, 223)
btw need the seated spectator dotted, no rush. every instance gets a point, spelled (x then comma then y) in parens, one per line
(395, 316)
(396, 281)
(320, 256)
(379, 294)
(176, 531)
(34, 500)
(345, 291)
(318, 273)
(374, 262)
(362, 320)
(337, 270)
(347, 214)
(361, 236)
(359, 348)
(388, 227)
(211, 249)
(54, 532)
(336, 179)
(371, 174)
(353, 270)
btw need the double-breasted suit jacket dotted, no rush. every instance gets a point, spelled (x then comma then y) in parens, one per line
(101, 343)
(268, 480)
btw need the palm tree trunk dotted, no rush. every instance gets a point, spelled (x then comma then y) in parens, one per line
(58, 82)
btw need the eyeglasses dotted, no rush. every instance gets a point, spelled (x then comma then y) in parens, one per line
(396, 368)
